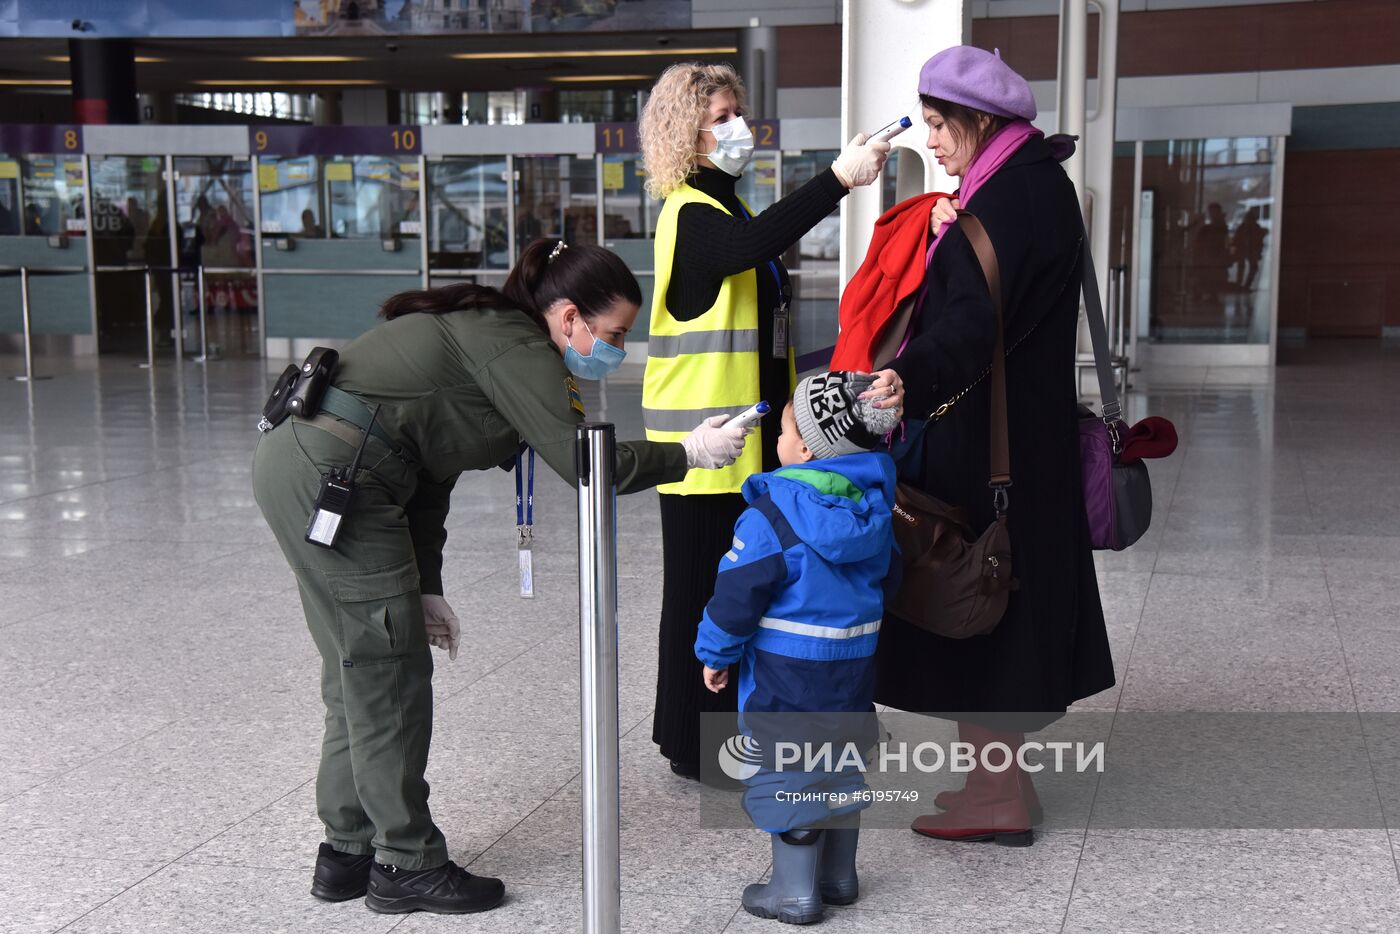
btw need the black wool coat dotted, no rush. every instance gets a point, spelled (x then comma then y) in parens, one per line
(1051, 648)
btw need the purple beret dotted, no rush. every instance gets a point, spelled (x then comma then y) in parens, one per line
(978, 79)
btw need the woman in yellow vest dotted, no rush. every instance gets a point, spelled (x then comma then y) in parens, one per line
(719, 343)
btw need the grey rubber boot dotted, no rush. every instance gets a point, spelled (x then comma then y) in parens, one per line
(838, 881)
(792, 895)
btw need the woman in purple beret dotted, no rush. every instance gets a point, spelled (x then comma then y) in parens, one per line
(1051, 648)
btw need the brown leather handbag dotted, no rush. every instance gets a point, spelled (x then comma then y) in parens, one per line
(957, 582)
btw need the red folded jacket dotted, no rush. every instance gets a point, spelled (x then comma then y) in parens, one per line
(1154, 436)
(892, 271)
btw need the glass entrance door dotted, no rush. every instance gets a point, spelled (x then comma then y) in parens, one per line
(214, 214)
(130, 230)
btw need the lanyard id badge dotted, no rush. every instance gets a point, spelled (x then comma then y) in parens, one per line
(525, 521)
(781, 315)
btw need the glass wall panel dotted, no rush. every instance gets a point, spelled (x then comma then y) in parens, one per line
(467, 213)
(340, 197)
(1212, 220)
(629, 225)
(758, 186)
(372, 197)
(556, 197)
(291, 196)
(41, 197)
(813, 262)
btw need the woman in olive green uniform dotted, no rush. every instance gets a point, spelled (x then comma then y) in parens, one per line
(462, 375)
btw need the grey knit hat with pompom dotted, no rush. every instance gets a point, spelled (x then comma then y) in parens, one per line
(832, 419)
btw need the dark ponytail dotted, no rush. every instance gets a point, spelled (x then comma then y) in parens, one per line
(589, 276)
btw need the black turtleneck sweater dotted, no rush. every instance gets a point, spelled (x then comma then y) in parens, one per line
(711, 245)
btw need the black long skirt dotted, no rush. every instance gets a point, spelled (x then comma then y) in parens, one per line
(696, 531)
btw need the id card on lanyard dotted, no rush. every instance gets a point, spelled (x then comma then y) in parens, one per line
(525, 521)
(781, 313)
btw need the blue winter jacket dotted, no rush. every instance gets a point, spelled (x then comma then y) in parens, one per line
(800, 595)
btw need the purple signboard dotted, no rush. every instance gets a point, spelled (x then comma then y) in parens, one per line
(284, 140)
(622, 137)
(615, 137)
(19, 139)
(765, 134)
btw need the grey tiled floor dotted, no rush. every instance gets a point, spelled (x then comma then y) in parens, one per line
(160, 714)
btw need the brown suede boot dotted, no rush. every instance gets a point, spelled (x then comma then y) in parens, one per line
(992, 806)
(948, 800)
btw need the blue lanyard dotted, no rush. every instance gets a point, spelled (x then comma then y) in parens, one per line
(524, 504)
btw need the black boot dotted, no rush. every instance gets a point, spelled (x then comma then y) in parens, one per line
(839, 883)
(446, 890)
(791, 895)
(340, 876)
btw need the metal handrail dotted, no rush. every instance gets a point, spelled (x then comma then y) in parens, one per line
(269, 271)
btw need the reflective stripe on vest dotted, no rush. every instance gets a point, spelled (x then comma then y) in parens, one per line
(705, 366)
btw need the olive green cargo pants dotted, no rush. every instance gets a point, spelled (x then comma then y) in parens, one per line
(365, 614)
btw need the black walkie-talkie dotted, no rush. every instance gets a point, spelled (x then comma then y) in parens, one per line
(334, 498)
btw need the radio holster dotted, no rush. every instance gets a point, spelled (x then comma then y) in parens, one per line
(299, 390)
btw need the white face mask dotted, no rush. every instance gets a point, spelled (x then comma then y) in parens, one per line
(733, 146)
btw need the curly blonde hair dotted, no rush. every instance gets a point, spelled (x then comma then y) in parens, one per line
(671, 119)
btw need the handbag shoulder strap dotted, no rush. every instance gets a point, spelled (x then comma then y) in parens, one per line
(1001, 446)
(1098, 333)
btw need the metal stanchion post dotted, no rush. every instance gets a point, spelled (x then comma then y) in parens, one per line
(203, 325)
(594, 452)
(28, 376)
(150, 324)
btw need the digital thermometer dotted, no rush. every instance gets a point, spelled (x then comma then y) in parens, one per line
(749, 417)
(890, 130)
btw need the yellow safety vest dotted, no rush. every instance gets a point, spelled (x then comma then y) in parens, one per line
(705, 366)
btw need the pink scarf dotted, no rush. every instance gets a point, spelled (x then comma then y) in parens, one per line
(993, 155)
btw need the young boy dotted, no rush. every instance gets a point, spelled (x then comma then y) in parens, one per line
(798, 603)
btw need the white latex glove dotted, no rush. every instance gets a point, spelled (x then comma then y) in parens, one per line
(444, 630)
(711, 445)
(860, 162)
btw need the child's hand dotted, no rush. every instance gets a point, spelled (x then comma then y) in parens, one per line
(716, 681)
(945, 210)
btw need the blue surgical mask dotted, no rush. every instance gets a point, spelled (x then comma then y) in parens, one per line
(733, 146)
(602, 358)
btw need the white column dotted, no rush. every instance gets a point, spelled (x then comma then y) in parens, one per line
(1073, 81)
(1097, 145)
(884, 43)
